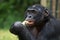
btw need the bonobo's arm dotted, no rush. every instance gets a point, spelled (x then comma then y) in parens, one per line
(19, 29)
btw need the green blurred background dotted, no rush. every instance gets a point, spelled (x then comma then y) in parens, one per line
(13, 10)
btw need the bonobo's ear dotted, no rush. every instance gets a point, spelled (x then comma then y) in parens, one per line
(46, 13)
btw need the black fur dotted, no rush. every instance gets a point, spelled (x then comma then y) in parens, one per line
(46, 26)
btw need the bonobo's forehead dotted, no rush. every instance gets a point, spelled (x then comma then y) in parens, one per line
(37, 8)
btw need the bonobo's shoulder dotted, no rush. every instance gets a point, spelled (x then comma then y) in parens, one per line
(55, 22)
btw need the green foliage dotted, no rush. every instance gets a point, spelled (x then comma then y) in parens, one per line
(13, 10)
(6, 35)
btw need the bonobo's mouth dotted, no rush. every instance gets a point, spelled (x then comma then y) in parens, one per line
(29, 22)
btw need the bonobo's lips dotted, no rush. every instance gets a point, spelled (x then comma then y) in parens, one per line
(30, 22)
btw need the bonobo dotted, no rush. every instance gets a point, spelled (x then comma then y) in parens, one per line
(39, 24)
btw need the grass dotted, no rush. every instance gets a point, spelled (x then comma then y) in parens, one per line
(6, 35)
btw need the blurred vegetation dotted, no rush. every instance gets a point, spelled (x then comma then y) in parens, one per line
(6, 35)
(13, 10)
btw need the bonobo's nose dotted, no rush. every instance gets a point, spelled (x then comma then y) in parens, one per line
(30, 16)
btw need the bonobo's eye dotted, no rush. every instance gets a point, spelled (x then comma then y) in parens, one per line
(32, 11)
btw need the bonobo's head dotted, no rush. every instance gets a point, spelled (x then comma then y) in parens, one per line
(36, 14)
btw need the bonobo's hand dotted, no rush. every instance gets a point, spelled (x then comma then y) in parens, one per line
(20, 29)
(16, 27)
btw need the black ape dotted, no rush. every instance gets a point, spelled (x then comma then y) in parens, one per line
(39, 24)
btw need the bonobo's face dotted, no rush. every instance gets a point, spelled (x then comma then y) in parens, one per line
(34, 15)
(31, 17)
